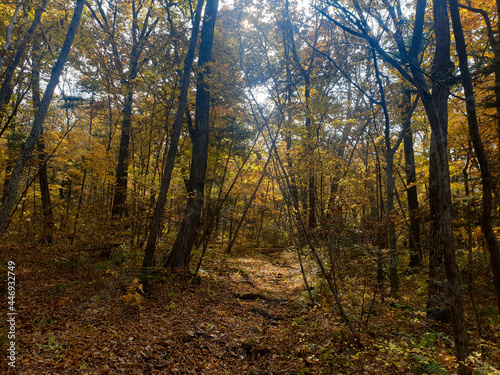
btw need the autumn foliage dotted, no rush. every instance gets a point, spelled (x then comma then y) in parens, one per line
(255, 187)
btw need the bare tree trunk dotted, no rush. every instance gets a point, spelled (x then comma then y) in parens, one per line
(48, 217)
(475, 136)
(437, 112)
(36, 130)
(390, 186)
(181, 251)
(411, 191)
(139, 37)
(120, 195)
(155, 225)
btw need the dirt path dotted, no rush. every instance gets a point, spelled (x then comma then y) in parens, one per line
(247, 315)
(84, 317)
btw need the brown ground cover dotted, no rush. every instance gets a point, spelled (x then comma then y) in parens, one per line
(248, 314)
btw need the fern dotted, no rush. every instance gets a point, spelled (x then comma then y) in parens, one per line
(432, 368)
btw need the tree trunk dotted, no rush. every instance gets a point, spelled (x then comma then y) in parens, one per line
(6, 89)
(475, 136)
(437, 112)
(120, 195)
(390, 186)
(309, 204)
(15, 178)
(411, 191)
(436, 107)
(48, 217)
(155, 225)
(181, 251)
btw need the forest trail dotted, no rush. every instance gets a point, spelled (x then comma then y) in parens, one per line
(246, 315)
(82, 316)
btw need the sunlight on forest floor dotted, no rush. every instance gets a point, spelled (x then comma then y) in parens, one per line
(277, 278)
(248, 315)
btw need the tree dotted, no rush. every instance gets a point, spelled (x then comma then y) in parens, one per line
(435, 104)
(305, 72)
(20, 49)
(42, 155)
(181, 250)
(139, 35)
(155, 225)
(411, 188)
(475, 136)
(36, 130)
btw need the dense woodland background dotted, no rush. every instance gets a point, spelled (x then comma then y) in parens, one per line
(158, 145)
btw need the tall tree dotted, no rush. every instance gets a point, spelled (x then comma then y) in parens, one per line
(475, 136)
(305, 72)
(436, 106)
(108, 19)
(36, 129)
(411, 187)
(181, 250)
(155, 225)
(48, 216)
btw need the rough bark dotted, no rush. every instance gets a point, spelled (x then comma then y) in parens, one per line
(155, 225)
(138, 42)
(181, 251)
(48, 217)
(411, 193)
(482, 157)
(120, 194)
(32, 140)
(437, 112)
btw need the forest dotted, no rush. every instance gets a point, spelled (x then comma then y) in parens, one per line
(250, 187)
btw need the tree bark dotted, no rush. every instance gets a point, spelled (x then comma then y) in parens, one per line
(181, 251)
(36, 130)
(120, 195)
(436, 108)
(138, 41)
(48, 217)
(411, 191)
(155, 225)
(6, 89)
(475, 136)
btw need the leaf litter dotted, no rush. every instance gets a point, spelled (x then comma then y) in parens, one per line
(81, 316)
